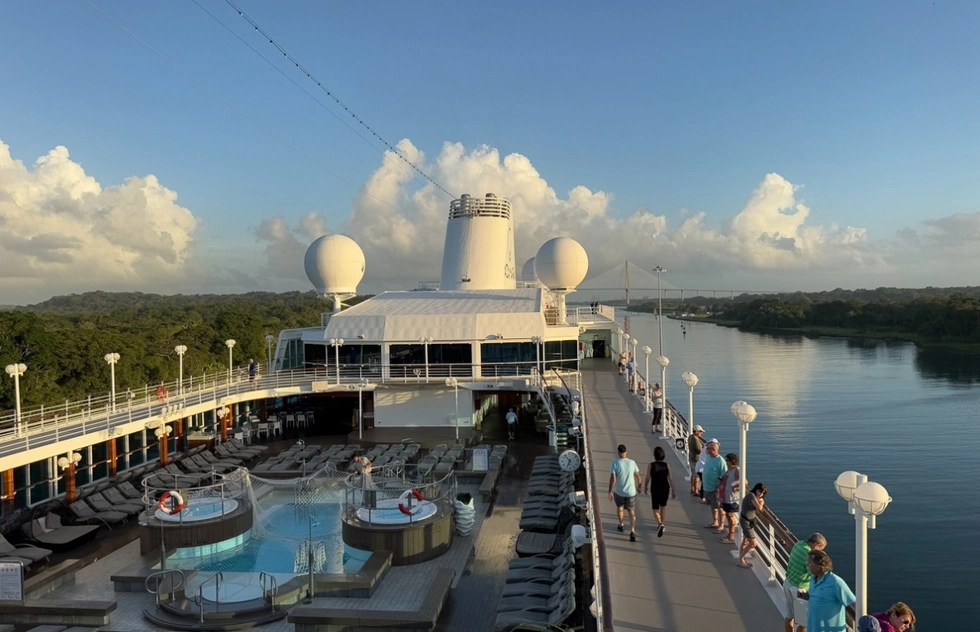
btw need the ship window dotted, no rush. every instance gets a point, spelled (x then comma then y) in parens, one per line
(561, 354)
(293, 356)
(314, 355)
(507, 358)
(445, 360)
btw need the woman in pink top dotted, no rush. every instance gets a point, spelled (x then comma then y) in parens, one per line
(898, 618)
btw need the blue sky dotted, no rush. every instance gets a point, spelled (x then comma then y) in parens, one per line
(767, 145)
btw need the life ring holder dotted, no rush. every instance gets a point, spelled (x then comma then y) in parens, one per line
(171, 503)
(162, 392)
(403, 502)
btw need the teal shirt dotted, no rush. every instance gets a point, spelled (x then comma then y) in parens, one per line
(625, 471)
(828, 597)
(714, 469)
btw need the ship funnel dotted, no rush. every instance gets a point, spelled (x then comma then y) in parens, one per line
(479, 250)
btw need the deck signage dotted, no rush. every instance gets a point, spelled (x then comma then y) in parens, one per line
(481, 459)
(11, 582)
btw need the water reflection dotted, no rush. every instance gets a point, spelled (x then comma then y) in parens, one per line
(953, 366)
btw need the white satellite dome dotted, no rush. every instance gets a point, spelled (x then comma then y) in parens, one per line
(561, 263)
(334, 264)
(527, 272)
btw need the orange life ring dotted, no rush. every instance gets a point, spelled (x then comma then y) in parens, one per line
(171, 503)
(162, 392)
(403, 499)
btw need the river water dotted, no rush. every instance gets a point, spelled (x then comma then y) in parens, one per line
(906, 418)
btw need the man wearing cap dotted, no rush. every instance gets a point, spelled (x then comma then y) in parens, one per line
(714, 468)
(624, 480)
(694, 446)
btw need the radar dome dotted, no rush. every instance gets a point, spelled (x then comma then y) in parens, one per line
(527, 272)
(561, 263)
(334, 264)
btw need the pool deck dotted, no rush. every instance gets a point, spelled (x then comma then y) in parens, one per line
(687, 580)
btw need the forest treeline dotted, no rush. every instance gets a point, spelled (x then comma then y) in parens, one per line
(63, 340)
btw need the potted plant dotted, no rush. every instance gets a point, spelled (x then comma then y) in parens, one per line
(465, 513)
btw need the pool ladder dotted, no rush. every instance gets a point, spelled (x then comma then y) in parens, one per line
(175, 577)
(273, 588)
(199, 597)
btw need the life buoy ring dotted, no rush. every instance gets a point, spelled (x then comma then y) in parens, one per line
(171, 503)
(162, 392)
(404, 505)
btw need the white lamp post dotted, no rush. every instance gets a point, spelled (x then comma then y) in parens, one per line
(660, 309)
(663, 361)
(231, 345)
(537, 341)
(112, 358)
(619, 332)
(268, 342)
(337, 343)
(426, 340)
(180, 350)
(360, 407)
(454, 383)
(745, 413)
(15, 371)
(691, 380)
(866, 500)
(647, 395)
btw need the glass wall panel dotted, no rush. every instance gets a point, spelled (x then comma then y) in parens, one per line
(315, 356)
(507, 358)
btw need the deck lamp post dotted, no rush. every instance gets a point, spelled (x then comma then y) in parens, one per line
(112, 358)
(15, 371)
(67, 465)
(660, 309)
(663, 361)
(231, 345)
(691, 380)
(745, 413)
(220, 413)
(426, 341)
(865, 500)
(336, 343)
(647, 401)
(360, 406)
(180, 350)
(454, 383)
(537, 341)
(268, 341)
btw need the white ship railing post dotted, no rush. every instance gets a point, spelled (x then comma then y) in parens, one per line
(180, 350)
(15, 371)
(663, 361)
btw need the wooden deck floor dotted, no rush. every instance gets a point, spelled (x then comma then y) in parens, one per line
(687, 580)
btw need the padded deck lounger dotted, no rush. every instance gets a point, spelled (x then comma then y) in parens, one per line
(84, 513)
(23, 551)
(118, 501)
(540, 589)
(549, 575)
(50, 532)
(535, 620)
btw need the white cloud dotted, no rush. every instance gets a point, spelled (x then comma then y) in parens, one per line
(61, 231)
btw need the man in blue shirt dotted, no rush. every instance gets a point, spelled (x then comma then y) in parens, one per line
(714, 469)
(829, 596)
(630, 368)
(624, 480)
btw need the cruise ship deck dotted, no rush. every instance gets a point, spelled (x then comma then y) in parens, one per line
(686, 580)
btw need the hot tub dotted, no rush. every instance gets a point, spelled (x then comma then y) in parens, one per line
(198, 509)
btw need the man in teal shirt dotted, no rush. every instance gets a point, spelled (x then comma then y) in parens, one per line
(624, 480)
(714, 469)
(829, 596)
(798, 578)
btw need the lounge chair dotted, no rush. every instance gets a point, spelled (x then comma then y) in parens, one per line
(85, 513)
(120, 502)
(129, 491)
(530, 543)
(23, 551)
(520, 576)
(536, 620)
(540, 589)
(51, 533)
(540, 604)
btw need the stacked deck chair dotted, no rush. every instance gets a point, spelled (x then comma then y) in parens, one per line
(550, 492)
(26, 553)
(49, 532)
(98, 502)
(172, 476)
(228, 452)
(539, 593)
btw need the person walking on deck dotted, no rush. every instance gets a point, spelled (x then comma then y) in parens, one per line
(798, 579)
(829, 596)
(624, 481)
(748, 518)
(631, 373)
(511, 423)
(253, 370)
(695, 444)
(714, 468)
(659, 484)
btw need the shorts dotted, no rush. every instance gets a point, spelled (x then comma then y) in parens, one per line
(793, 604)
(694, 469)
(659, 500)
(748, 527)
(729, 508)
(712, 497)
(626, 502)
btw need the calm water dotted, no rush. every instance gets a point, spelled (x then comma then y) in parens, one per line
(907, 419)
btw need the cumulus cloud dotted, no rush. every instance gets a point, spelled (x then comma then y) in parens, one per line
(61, 231)
(400, 224)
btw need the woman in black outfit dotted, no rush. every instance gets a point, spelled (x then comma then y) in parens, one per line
(659, 484)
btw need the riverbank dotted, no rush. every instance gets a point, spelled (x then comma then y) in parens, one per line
(841, 332)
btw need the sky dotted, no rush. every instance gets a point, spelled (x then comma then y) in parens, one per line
(171, 148)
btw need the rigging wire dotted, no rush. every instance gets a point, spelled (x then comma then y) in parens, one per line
(330, 94)
(301, 88)
(195, 81)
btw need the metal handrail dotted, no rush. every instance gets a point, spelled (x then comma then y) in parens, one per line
(159, 577)
(272, 591)
(392, 480)
(199, 597)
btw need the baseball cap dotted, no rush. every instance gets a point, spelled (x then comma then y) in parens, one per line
(715, 441)
(698, 429)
